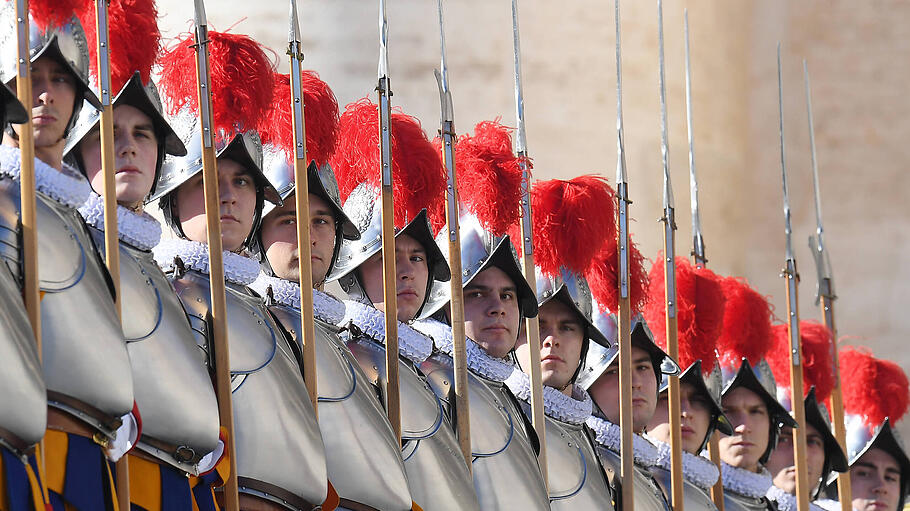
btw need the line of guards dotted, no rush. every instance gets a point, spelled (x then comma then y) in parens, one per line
(143, 390)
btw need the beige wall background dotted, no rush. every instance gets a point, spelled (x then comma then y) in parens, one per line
(857, 62)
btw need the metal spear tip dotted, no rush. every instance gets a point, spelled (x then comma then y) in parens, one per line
(294, 29)
(445, 98)
(199, 13)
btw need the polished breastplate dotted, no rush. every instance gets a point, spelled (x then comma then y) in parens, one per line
(648, 495)
(362, 454)
(173, 390)
(23, 400)
(574, 474)
(437, 474)
(505, 469)
(86, 365)
(694, 498)
(736, 502)
(278, 448)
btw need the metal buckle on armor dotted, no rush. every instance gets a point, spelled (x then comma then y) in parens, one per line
(101, 440)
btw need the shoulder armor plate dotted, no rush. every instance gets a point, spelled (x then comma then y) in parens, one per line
(576, 478)
(276, 437)
(172, 386)
(363, 456)
(437, 475)
(648, 494)
(737, 502)
(84, 355)
(23, 401)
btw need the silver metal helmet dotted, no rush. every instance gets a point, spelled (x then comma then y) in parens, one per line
(244, 148)
(760, 380)
(862, 437)
(480, 250)
(600, 358)
(572, 290)
(709, 387)
(66, 44)
(143, 97)
(364, 209)
(279, 170)
(13, 111)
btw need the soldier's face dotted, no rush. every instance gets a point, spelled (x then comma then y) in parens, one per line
(876, 481)
(491, 311)
(781, 464)
(279, 238)
(605, 390)
(411, 283)
(695, 414)
(237, 200)
(751, 423)
(561, 339)
(135, 153)
(53, 99)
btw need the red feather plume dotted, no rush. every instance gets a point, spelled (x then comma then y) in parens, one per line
(489, 176)
(56, 13)
(320, 113)
(134, 39)
(418, 175)
(572, 221)
(700, 310)
(747, 324)
(243, 79)
(818, 366)
(602, 277)
(875, 388)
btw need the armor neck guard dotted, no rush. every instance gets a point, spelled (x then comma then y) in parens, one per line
(785, 501)
(139, 230)
(608, 435)
(412, 344)
(238, 269)
(556, 405)
(479, 361)
(326, 307)
(67, 186)
(698, 470)
(744, 482)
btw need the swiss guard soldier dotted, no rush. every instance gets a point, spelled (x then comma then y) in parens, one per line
(700, 301)
(497, 298)
(362, 453)
(576, 477)
(89, 397)
(875, 397)
(280, 463)
(600, 377)
(823, 453)
(748, 398)
(173, 391)
(437, 474)
(23, 403)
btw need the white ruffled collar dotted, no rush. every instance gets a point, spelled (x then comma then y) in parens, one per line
(66, 186)
(827, 505)
(609, 435)
(140, 230)
(787, 502)
(746, 482)
(412, 344)
(574, 410)
(325, 307)
(238, 269)
(479, 361)
(698, 470)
